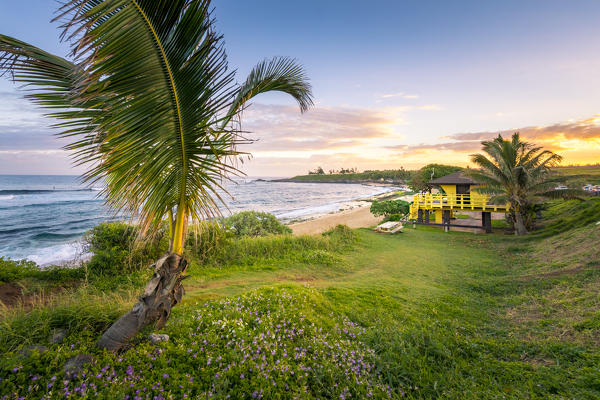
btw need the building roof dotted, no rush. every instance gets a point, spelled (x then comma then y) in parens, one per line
(456, 178)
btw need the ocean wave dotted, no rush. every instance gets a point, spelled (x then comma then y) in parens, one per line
(20, 192)
(7, 197)
(56, 236)
(52, 204)
(24, 229)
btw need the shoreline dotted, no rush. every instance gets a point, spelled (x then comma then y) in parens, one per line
(353, 212)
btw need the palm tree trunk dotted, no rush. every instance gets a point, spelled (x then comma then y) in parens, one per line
(162, 292)
(520, 228)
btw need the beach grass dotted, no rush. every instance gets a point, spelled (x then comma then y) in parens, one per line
(423, 314)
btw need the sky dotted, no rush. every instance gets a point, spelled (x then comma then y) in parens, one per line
(396, 83)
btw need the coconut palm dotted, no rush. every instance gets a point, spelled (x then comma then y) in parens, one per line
(150, 104)
(517, 173)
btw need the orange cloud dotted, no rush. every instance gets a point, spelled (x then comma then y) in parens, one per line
(577, 141)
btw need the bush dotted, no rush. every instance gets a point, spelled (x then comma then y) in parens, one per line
(11, 270)
(116, 250)
(213, 246)
(254, 223)
(14, 270)
(392, 210)
(206, 238)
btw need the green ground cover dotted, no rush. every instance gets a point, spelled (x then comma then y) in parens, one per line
(353, 314)
(577, 176)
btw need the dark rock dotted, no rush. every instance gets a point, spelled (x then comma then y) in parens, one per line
(156, 338)
(75, 365)
(58, 336)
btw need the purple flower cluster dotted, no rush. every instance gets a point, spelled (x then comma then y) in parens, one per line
(261, 345)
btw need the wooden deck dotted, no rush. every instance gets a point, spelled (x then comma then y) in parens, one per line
(457, 202)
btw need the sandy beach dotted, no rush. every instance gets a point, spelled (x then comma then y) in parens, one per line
(359, 217)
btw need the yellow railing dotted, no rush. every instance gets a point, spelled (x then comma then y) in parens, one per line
(476, 202)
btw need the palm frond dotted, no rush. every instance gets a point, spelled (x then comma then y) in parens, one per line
(148, 100)
(280, 74)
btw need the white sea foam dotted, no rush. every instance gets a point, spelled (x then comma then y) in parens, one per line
(39, 225)
(57, 255)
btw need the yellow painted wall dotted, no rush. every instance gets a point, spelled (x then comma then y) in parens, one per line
(439, 216)
(449, 189)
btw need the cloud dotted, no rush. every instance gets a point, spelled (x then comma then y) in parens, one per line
(566, 136)
(283, 128)
(583, 129)
(400, 94)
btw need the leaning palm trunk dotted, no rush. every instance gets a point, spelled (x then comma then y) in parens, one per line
(150, 104)
(162, 292)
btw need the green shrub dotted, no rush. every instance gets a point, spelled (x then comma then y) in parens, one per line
(392, 210)
(15, 270)
(212, 246)
(254, 223)
(115, 249)
(79, 313)
(206, 238)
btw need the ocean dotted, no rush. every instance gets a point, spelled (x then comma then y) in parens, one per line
(43, 216)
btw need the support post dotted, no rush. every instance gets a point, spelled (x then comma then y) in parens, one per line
(486, 221)
(426, 216)
(446, 219)
(420, 216)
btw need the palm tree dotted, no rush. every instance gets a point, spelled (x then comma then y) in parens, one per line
(152, 107)
(517, 173)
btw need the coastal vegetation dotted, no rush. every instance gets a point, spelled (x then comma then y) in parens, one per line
(420, 179)
(160, 90)
(423, 315)
(396, 176)
(392, 210)
(519, 173)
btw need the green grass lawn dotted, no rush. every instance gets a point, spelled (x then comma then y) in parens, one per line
(419, 315)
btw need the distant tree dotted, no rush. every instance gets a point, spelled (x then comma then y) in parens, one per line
(390, 209)
(420, 181)
(320, 171)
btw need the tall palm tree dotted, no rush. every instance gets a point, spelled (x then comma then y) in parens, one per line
(517, 173)
(152, 107)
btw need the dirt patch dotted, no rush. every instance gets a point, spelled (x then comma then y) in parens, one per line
(10, 294)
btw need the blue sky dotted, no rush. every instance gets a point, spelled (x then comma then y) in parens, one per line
(397, 83)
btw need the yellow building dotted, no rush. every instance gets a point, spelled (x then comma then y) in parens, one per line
(457, 193)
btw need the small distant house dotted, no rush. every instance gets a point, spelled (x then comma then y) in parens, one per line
(591, 188)
(457, 192)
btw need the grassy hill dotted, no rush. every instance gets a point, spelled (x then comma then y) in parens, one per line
(578, 176)
(352, 314)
